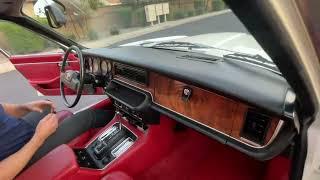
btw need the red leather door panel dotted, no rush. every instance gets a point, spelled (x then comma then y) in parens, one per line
(42, 70)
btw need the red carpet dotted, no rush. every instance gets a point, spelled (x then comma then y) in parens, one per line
(196, 156)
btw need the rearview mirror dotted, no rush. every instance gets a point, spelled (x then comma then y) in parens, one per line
(55, 15)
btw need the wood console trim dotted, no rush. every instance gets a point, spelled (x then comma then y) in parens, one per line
(205, 107)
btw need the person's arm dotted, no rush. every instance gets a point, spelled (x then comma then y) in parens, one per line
(18, 111)
(12, 165)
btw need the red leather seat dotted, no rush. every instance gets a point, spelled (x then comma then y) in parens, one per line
(60, 163)
(118, 175)
(62, 115)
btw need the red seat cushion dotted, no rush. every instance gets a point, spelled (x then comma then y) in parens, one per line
(118, 175)
(60, 163)
(62, 115)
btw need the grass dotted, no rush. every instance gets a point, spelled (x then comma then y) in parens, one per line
(21, 40)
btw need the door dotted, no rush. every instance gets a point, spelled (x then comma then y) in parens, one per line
(43, 70)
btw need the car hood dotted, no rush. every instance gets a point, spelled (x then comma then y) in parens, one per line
(222, 43)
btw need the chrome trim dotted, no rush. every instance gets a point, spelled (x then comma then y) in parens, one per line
(250, 142)
(276, 132)
(288, 104)
(220, 131)
(5, 53)
(122, 147)
(115, 116)
(91, 141)
(107, 132)
(55, 62)
(296, 121)
(274, 135)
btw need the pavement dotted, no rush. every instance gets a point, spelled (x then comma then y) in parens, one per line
(16, 89)
(222, 21)
(5, 65)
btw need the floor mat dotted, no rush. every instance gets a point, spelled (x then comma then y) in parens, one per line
(196, 156)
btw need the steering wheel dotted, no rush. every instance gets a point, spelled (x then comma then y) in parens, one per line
(72, 79)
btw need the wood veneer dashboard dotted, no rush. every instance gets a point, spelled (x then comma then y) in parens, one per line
(217, 112)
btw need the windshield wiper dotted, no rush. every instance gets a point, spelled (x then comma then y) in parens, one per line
(173, 45)
(200, 58)
(256, 60)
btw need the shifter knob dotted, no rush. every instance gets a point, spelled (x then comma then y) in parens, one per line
(99, 149)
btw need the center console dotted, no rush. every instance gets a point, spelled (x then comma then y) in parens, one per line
(108, 146)
(132, 103)
(133, 106)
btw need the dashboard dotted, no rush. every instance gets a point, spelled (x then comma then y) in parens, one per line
(209, 109)
(143, 93)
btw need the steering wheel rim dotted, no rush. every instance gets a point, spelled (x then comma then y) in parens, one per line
(62, 70)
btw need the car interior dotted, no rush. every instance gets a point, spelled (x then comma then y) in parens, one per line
(172, 121)
(177, 115)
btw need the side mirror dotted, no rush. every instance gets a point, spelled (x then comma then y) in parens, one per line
(55, 15)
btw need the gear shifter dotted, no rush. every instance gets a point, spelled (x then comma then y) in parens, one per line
(99, 148)
(104, 145)
(109, 145)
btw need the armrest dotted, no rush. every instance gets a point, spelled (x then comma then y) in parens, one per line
(59, 163)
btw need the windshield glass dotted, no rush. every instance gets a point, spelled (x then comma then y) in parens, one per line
(112, 23)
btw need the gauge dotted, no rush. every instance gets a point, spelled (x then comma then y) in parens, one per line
(96, 64)
(90, 66)
(109, 66)
(104, 67)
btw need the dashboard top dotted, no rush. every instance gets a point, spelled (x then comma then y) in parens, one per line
(256, 86)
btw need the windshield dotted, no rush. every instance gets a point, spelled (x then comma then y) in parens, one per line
(112, 23)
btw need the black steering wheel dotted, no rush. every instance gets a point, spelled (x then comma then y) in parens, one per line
(72, 79)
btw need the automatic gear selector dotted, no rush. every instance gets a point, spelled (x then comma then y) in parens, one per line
(108, 146)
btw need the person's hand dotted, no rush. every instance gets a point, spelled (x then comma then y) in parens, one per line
(39, 106)
(46, 127)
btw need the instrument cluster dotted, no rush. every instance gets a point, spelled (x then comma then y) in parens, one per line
(97, 66)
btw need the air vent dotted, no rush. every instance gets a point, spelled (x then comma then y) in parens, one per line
(256, 126)
(131, 73)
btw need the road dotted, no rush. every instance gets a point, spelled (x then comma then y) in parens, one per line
(15, 88)
(227, 22)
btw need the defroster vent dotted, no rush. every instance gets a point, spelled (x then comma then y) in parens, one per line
(256, 126)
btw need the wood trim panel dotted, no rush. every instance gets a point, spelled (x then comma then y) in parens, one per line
(205, 107)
